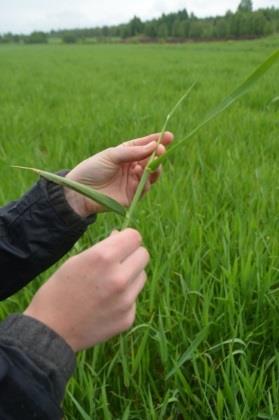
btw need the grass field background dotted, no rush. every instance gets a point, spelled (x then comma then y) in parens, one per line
(205, 341)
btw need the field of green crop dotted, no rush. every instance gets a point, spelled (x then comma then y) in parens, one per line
(205, 344)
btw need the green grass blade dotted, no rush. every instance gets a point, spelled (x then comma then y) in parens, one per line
(88, 192)
(82, 412)
(177, 105)
(222, 106)
(146, 172)
(189, 354)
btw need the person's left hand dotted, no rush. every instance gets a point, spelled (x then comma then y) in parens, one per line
(115, 172)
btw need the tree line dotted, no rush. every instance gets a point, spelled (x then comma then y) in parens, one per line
(179, 26)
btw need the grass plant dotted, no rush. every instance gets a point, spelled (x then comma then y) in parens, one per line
(205, 342)
(154, 163)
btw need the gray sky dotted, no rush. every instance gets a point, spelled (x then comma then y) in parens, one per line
(24, 16)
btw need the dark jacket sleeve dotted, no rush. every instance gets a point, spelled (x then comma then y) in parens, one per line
(35, 365)
(35, 232)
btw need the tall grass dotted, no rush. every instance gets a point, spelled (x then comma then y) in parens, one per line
(154, 163)
(205, 343)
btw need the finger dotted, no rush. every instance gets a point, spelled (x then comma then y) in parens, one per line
(159, 151)
(129, 317)
(130, 295)
(138, 285)
(167, 139)
(120, 245)
(138, 171)
(123, 154)
(135, 263)
(155, 175)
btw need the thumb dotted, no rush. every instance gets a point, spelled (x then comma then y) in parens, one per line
(126, 154)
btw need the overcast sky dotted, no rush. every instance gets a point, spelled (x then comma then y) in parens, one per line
(24, 16)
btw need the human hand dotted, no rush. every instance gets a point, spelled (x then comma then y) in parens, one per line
(115, 172)
(92, 296)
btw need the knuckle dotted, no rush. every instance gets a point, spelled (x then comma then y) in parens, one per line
(111, 153)
(103, 256)
(119, 283)
(127, 302)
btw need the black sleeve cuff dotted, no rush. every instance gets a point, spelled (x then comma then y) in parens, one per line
(35, 232)
(48, 352)
(62, 208)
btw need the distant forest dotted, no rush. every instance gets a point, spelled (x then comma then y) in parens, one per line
(173, 27)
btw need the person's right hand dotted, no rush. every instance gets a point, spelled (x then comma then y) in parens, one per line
(92, 296)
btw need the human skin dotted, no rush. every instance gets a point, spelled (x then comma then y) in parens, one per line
(115, 172)
(92, 297)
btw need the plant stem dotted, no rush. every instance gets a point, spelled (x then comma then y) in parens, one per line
(136, 198)
(147, 169)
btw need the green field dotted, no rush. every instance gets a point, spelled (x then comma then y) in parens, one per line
(205, 341)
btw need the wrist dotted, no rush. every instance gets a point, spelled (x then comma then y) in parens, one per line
(53, 324)
(76, 202)
(81, 205)
(56, 196)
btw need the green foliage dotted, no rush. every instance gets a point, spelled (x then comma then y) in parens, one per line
(9, 38)
(70, 37)
(245, 6)
(136, 26)
(214, 248)
(175, 26)
(36, 38)
(244, 23)
(162, 31)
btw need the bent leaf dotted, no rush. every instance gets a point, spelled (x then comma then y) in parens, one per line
(222, 106)
(88, 192)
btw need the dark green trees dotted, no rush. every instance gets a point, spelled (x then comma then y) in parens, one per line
(245, 6)
(177, 27)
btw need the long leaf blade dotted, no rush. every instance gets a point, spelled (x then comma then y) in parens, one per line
(223, 105)
(189, 354)
(179, 102)
(88, 192)
(146, 172)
